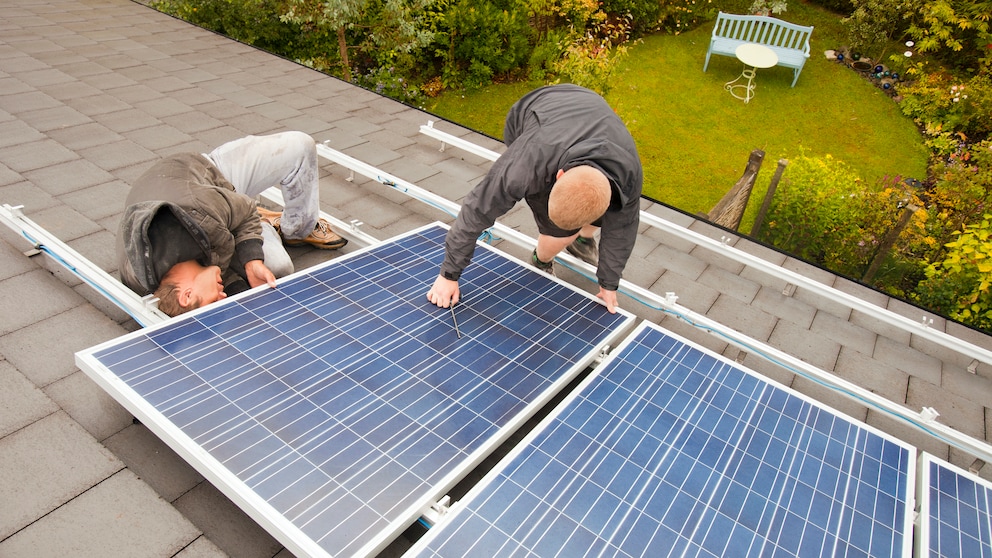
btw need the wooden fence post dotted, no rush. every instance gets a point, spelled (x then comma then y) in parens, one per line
(767, 202)
(888, 241)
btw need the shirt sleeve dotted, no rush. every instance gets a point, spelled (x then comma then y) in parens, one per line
(512, 177)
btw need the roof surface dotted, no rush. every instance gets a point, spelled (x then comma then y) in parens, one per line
(93, 91)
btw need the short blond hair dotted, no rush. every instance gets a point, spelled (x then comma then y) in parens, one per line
(168, 297)
(580, 196)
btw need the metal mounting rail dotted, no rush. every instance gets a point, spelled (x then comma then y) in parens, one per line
(142, 309)
(460, 143)
(920, 327)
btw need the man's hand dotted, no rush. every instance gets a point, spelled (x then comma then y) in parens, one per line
(258, 274)
(610, 298)
(444, 293)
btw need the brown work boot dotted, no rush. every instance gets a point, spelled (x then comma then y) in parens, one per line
(322, 237)
(270, 217)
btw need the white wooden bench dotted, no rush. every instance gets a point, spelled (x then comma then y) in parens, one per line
(789, 41)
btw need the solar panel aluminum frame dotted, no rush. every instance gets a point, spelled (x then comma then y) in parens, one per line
(924, 532)
(257, 507)
(418, 549)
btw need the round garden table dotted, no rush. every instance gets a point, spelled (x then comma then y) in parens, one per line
(753, 56)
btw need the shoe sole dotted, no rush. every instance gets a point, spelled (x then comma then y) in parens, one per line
(319, 246)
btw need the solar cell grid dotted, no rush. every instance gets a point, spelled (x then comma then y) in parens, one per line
(339, 405)
(667, 450)
(955, 511)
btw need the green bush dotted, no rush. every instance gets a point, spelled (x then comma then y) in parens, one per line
(959, 286)
(254, 22)
(484, 39)
(824, 213)
(592, 59)
(548, 51)
(644, 15)
(943, 104)
(386, 81)
(873, 24)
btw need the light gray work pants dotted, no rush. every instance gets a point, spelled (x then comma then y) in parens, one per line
(288, 160)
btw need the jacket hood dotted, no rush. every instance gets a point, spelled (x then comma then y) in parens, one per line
(154, 236)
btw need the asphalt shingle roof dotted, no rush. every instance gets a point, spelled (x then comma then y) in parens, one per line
(93, 91)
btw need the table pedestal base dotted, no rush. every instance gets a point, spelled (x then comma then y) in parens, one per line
(742, 91)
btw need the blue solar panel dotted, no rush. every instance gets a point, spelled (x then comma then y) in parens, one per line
(955, 511)
(667, 450)
(336, 407)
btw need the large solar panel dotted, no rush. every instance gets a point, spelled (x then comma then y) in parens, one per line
(669, 450)
(955, 511)
(338, 406)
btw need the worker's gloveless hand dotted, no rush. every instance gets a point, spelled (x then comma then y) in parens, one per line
(609, 298)
(444, 292)
(258, 274)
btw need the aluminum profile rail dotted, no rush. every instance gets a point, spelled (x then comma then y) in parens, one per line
(919, 328)
(923, 420)
(142, 309)
(465, 145)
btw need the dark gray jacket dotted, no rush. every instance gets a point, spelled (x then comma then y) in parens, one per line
(182, 208)
(552, 128)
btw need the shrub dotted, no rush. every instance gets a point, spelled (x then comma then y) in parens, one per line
(483, 40)
(959, 286)
(872, 24)
(941, 103)
(385, 81)
(592, 58)
(680, 16)
(548, 51)
(823, 212)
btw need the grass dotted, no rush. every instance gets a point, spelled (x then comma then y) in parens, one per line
(694, 138)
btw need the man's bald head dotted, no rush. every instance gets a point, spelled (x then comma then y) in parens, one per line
(580, 196)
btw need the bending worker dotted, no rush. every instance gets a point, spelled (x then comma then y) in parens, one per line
(574, 162)
(192, 234)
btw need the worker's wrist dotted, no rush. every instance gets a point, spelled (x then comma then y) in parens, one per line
(451, 275)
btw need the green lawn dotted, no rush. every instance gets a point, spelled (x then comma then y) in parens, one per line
(694, 138)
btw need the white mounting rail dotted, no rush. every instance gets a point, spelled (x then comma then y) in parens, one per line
(460, 143)
(142, 309)
(924, 421)
(915, 327)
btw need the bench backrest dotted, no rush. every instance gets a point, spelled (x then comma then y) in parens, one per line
(764, 30)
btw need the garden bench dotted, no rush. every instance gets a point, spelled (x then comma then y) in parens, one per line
(789, 41)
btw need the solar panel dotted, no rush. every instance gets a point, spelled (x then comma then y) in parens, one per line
(337, 407)
(669, 450)
(955, 511)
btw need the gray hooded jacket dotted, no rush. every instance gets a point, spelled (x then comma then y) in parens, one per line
(552, 128)
(182, 208)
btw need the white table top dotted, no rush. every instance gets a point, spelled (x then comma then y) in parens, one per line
(758, 56)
